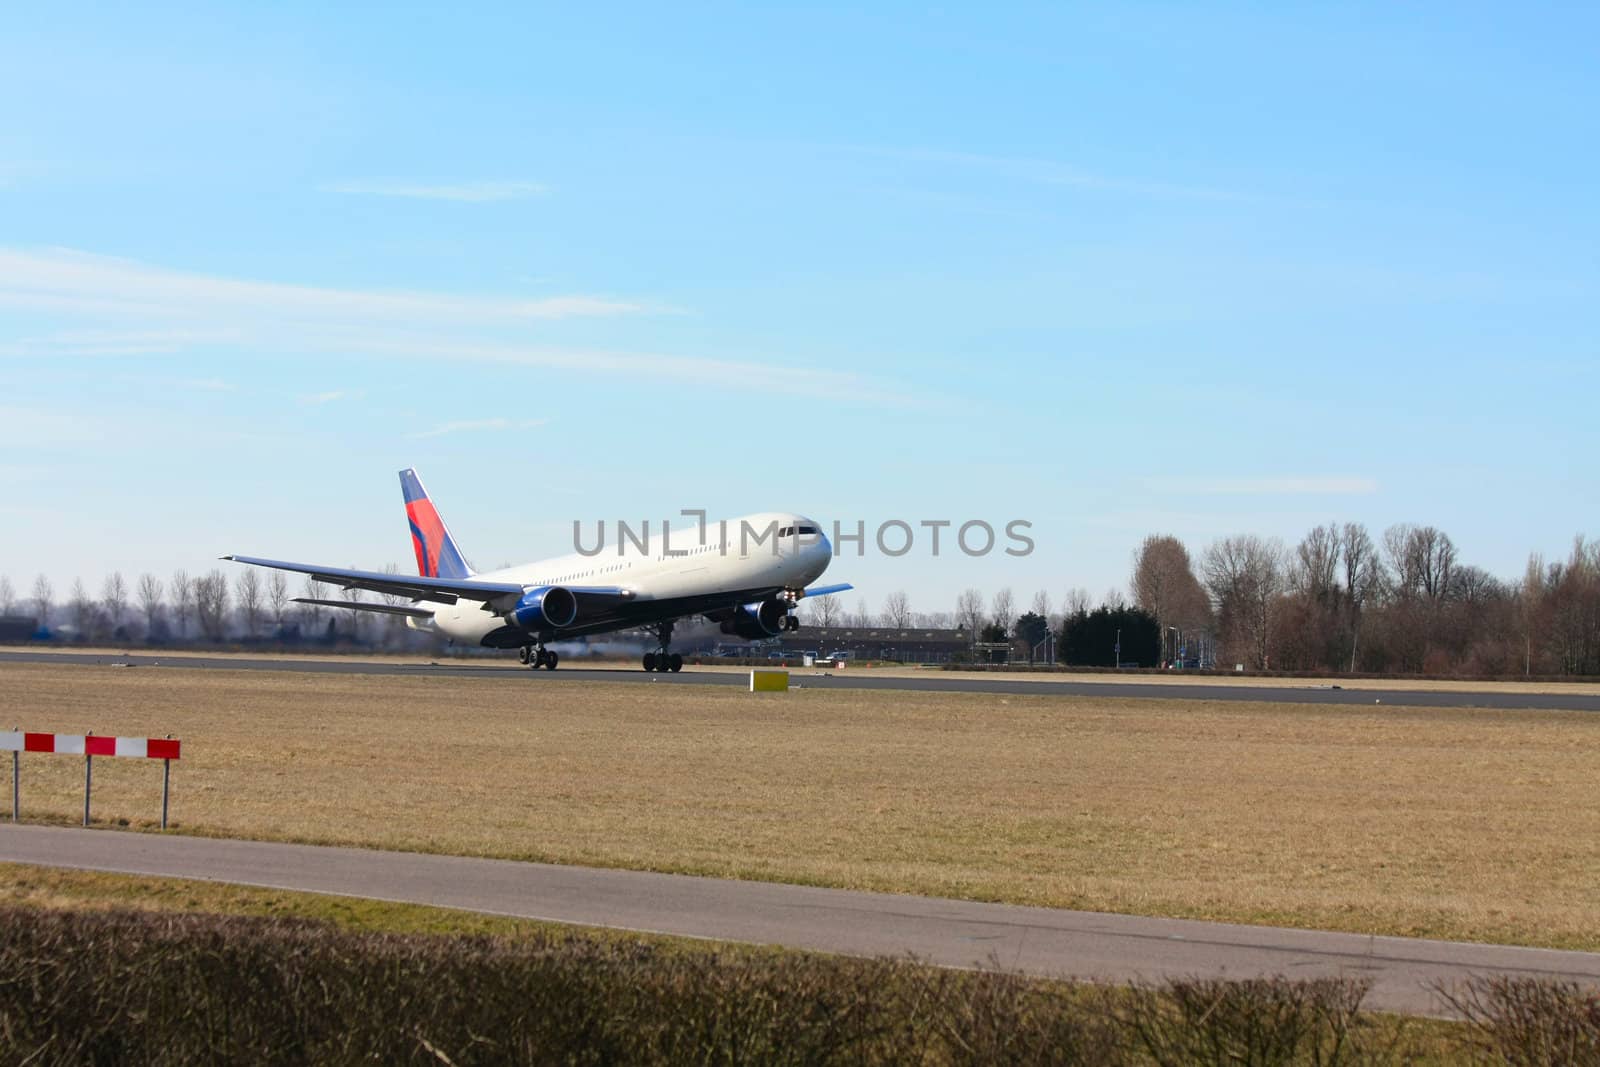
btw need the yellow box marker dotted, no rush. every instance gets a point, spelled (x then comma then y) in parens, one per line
(769, 681)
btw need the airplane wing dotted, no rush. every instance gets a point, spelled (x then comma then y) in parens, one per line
(413, 587)
(382, 609)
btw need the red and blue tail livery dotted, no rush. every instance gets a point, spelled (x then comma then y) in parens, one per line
(437, 554)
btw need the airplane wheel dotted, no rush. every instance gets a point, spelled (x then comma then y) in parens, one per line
(649, 661)
(550, 661)
(522, 653)
(675, 663)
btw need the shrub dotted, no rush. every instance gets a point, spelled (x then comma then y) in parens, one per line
(1250, 1023)
(149, 988)
(1531, 1022)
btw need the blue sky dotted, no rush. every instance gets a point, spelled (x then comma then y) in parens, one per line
(1115, 269)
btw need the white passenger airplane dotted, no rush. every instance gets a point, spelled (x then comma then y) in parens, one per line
(747, 574)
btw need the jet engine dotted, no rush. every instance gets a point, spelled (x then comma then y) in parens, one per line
(764, 618)
(547, 607)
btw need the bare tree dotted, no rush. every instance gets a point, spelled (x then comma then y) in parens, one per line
(897, 609)
(149, 601)
(864, 617)
(1114, 600)
(278, 597)
(1078, 601)
(1530, 606)
(114, 593)
(393, 624)
(183, 601)
(82, 608)
(1157, 568)
(352, 595)
(1041, 604)
(1245, 574)
(1164, 586)
(43, 594)
(211, 604)
(1005, 610)
(247, 590)
(1363, 579)
(825, 610)
(1315, 570)
(1437, 554)
(8, 595)
(311, 614)
(1423, 558)
(969, 612)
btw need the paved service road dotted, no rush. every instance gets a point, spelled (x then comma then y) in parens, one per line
(933, 681)
(1043, 941)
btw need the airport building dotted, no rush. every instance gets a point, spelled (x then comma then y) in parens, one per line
(910, 645)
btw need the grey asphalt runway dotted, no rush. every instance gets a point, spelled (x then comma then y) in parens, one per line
(1040, 941)
(1289, 693)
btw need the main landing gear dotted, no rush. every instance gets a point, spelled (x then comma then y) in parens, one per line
(662, 660)
(536, 656)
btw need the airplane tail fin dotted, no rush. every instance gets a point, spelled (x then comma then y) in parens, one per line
(437, 554)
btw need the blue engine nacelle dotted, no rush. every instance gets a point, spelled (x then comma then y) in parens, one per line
(764, 618)
(548, 607)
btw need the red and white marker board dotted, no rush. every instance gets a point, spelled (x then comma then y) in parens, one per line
(89, 745)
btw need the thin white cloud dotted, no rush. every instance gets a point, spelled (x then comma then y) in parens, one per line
(207, 385)
(67, 280)
(198, 312)
(22, 428)
(1291, 485)
(478, 192)
(99, 342)
(316, 399)
(788, 382)
(1044, 172)
(477, 424)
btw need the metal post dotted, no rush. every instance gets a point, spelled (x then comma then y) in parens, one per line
(16, 780)
(166, 782)
(88, 778)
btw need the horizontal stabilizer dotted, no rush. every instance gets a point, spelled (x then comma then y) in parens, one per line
(382, 609)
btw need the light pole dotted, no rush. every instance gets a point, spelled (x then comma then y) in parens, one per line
(1116, 650)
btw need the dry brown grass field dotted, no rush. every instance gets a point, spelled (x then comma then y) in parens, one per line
(1462, 824)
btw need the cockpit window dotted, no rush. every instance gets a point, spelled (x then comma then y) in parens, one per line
(786, 531)
(809, 531)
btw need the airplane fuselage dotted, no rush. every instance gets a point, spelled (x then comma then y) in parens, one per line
(724, 562)
(745, 574)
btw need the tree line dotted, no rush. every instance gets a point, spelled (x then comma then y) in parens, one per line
(207, 608)
(1340, 600)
